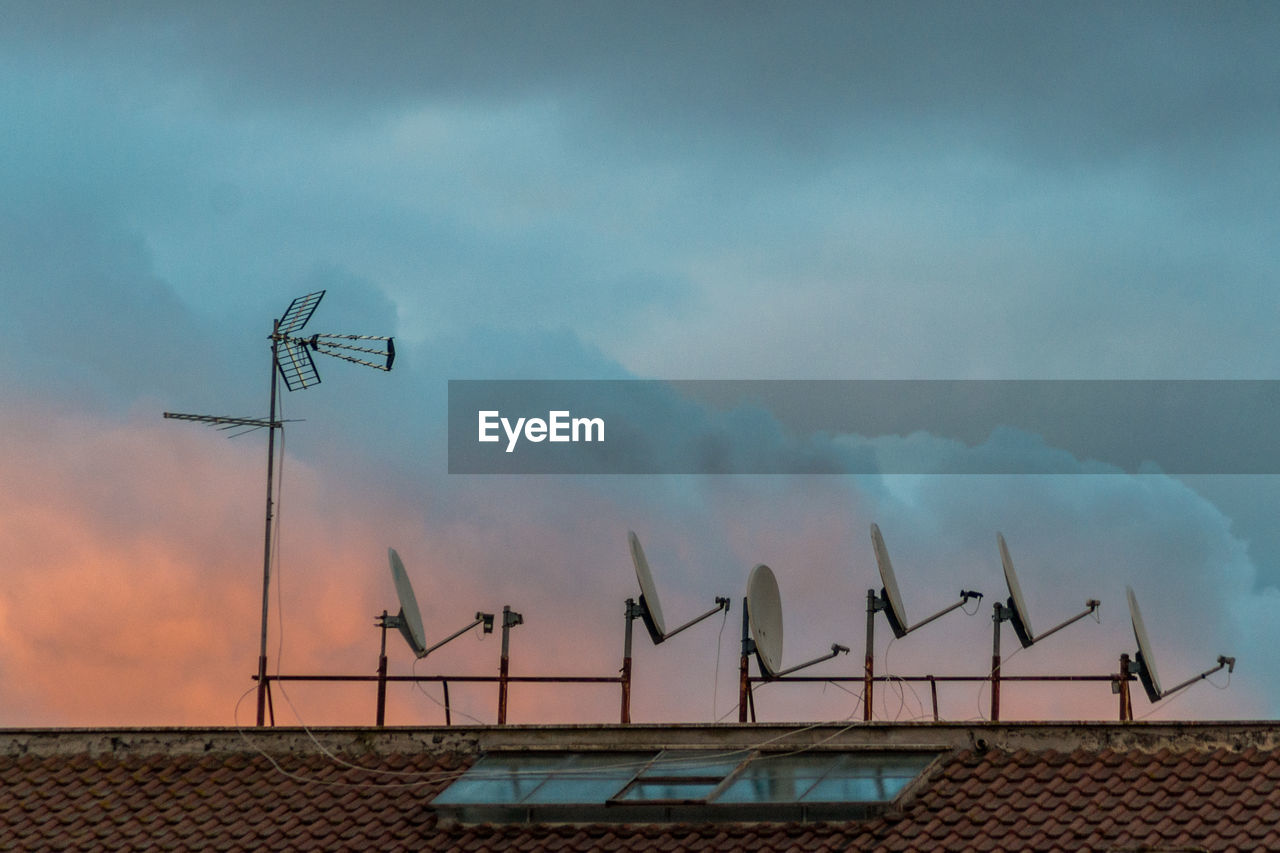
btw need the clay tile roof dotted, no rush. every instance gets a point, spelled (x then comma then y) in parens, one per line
(73, 791)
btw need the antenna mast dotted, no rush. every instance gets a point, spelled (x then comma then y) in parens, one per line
(291, 361)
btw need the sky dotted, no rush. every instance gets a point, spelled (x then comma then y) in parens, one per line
(610, 190)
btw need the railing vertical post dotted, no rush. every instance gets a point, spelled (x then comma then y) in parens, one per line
(869, 663)
(997, 616)
(505, 664)
(382, 674)
(626, 663)
(1126, 702)
(744, 666)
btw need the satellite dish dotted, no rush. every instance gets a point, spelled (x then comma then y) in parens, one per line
(409, 618)
(1017, 605)
(1147, 670)
(895, 612)
(764, 606)
(650, 606)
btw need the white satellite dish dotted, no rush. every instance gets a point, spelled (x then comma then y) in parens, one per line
(764, 617)
(764, 606)
(1146, 660)
(896, 613)
(1017, 604)
(410, 617)
(651, 607)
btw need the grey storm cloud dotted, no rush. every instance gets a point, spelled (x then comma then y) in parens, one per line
(1096, 78)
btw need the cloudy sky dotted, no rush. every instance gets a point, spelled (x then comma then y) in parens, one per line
(603, 191)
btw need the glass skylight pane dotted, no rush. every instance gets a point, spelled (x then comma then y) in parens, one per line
(669, 791)
(877, 764)
(825, 777)
(588, 778)
(505, 779)
(854, 790)
(777, 780)
(694, 762)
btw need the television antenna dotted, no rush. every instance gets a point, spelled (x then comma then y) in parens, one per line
(1145, 665)
(762, 636)
(292, 362)
(649, 610)
(1015, 611)
(889, 599)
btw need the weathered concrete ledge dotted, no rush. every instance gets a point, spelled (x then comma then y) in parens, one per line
(1060, 736)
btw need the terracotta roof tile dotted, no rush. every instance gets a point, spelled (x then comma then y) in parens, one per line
(1035, 799)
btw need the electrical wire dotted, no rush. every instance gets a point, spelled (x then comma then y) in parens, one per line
(447, 709)
(715, 682)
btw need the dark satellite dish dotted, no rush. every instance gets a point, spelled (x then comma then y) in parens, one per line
(651, 605)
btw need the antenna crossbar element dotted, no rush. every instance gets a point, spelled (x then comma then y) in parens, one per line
(340, 351)
(222, 422)
(298, 354)
(299, 312)
(297, 368)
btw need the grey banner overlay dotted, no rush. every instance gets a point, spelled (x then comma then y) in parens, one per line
(868, 426)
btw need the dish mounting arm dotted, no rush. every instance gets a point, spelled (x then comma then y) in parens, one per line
(722, 603)
(965, 595)
(398, 621)
(1229, 663)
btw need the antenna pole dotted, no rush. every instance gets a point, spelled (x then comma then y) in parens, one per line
(266, 547)
(744, 665)
(632, 611)
(382, 673)
(509, 620)
(1126, 704)
(998, 615)
(869, 662)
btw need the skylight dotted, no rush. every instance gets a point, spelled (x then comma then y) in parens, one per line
(680, 785)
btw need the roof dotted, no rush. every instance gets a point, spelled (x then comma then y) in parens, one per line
(1101, 786)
